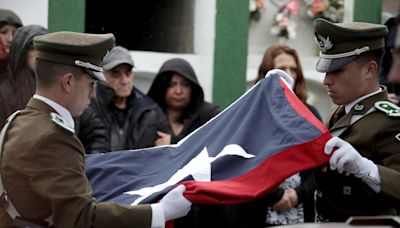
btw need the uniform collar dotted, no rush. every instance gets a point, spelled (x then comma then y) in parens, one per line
(63, 112)
(360, 107)
(352, 104)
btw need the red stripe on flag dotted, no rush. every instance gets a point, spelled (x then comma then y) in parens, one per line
(301, 109)
(262, 179)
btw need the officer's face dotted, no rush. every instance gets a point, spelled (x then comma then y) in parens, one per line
(347, 83)
(120, 78)
(84, 90)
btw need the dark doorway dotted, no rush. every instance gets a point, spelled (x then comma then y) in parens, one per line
(151, 25)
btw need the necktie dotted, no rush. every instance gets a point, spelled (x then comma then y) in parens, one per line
(338, 115)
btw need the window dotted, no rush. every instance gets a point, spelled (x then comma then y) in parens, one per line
(150, 25)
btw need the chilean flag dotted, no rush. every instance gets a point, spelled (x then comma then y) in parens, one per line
(241, 154)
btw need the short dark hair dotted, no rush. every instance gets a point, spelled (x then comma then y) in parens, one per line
(48, 72)
(375, 55)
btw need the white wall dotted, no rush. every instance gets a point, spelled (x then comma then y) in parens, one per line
(30, 11)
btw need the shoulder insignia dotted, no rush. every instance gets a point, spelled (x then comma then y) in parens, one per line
(389, 108)
(58, 120)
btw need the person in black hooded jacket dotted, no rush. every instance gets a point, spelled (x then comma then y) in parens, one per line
(179, 94)
(20, 83)
(9, 22)
(121, 117)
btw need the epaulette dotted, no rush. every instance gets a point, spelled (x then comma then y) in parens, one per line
(58, 120)
(389, 108)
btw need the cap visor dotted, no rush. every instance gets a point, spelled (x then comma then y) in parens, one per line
(327, 65)
(97, 75)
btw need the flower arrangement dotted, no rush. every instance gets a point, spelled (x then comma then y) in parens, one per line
(255, 8)
(284, 24)
(332, 10)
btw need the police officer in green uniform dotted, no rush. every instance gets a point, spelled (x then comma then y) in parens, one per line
(362, 177)
(43, 179)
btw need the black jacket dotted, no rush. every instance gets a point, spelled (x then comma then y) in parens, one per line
(98, 127)
(198, 111)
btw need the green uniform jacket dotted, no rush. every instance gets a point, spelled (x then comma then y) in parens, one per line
(43, 171)
(340, 196)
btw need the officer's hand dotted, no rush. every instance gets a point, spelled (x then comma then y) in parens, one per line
(347, 159)
(174, 204)
(287, 78)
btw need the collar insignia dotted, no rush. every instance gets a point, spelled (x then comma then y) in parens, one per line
(358, 107)
(58, 120)
(324, 43)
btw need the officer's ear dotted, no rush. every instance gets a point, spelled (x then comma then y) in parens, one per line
(67, 82)
(371, 69)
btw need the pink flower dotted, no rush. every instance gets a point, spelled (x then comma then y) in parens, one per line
(261, 4)
(293, 6)
(284, 22)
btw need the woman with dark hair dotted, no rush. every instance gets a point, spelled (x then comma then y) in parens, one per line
(9, 22)
(20, 84)
(179, 94)
(294, 201)
(284, 58)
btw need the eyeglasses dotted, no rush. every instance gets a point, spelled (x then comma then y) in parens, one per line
(285, 68)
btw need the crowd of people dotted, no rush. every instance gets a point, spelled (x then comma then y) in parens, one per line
(79, 89)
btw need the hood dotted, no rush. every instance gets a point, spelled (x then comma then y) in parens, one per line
(161, 82)
(9, 17)
(21, 44)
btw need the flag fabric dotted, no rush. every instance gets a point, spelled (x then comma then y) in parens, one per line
(241, 154)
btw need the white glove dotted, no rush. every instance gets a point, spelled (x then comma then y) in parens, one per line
(287, 78)
(347, 159)
(174, 204)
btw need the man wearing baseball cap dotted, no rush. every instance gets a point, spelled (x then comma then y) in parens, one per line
(43, 181)
(121, 117)
(361, 177)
